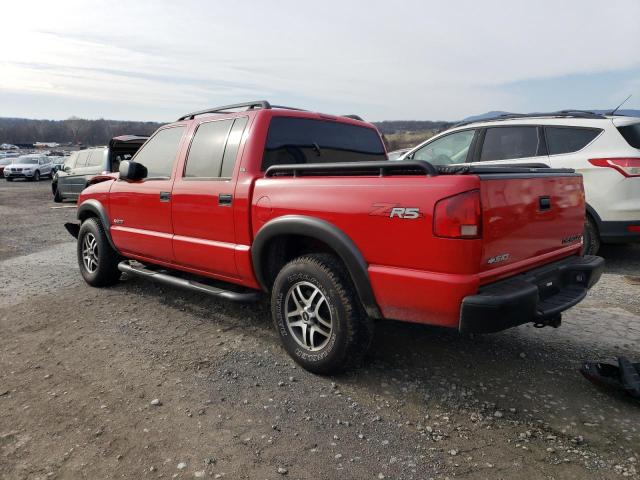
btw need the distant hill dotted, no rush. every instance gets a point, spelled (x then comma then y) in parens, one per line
(70, 131)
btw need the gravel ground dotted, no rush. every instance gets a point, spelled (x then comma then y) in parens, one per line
(144, 381)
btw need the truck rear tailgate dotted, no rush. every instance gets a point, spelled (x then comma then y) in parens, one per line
(529, 218)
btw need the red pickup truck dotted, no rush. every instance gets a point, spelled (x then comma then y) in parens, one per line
(252, 198)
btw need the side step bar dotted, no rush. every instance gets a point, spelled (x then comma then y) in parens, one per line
(172, 280)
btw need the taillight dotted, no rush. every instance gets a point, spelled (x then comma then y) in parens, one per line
(459, 216)
(634, 228)
(629, 167)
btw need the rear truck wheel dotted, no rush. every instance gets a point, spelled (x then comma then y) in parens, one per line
(318, 315)
(57, 197)
(98, 261)
(591, 238)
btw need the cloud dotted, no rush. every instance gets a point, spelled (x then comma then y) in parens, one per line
(408, 59)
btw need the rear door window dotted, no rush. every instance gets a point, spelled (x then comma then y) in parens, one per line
(508, 143)
(569, 139)
(631, 134)
(302, 140)
(97, 158)
(207, 149)
(233, 144)
(447, 150)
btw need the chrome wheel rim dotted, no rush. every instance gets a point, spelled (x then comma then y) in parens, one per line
(90, 252)
(308, 316)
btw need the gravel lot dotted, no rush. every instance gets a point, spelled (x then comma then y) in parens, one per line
(144, 381)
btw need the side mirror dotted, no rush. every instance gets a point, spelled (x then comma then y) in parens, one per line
(132, 171)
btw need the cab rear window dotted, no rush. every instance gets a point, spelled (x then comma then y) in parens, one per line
(631, 134)
(301, 140)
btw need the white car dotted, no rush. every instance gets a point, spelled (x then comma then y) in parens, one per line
(31, 167)
(605, 149)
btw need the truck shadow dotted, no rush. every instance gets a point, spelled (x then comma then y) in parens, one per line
(621, 259)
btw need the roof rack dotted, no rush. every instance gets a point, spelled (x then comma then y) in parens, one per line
(558, 114)
(224, 109)
(263, 104)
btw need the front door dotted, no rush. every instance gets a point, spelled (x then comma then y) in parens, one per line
(202, 199)
(140, 210)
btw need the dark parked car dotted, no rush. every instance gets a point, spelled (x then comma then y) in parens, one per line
(83, 165)
(4, 161)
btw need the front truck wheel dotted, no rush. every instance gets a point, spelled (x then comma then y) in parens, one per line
(318, 315)
(97, 259)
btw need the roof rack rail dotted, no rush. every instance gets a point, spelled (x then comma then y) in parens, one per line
(354, 117)
(250, 106)
(558, 114)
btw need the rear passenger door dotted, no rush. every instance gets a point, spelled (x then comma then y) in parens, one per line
(202, 199)
(512, 145)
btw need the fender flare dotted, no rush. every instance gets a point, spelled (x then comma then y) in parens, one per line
(93, 208)
(327, 233)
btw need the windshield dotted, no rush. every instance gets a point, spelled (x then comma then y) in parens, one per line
(302, 140)
(631, 134)
(27, 161)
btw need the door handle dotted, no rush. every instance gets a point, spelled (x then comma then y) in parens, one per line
(165, 196)
(544, 203)
(225, 199)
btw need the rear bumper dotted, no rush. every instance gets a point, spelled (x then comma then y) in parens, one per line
(537, 296)
(619, 232)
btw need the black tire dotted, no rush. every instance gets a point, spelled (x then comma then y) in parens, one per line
(9, 179)
(36, 176)
(591, 238)
(104, 269)
(57, 196)
(349, 336)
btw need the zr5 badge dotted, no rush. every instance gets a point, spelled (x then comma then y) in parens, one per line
(394, 210)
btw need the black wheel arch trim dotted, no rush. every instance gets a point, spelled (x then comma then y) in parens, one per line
(327, 233)
(596, 218)
(93, 208)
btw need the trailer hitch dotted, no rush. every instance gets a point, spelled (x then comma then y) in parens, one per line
(554, 322)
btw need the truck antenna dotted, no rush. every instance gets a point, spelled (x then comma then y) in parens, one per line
(618, 107)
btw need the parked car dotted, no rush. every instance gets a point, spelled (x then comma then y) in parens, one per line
(81, 166)
(30, 167)
(397, 154)
(302, 206)
(4, 161)
(605, 149)
(57, 163)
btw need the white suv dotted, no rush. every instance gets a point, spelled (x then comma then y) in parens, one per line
(604, 149)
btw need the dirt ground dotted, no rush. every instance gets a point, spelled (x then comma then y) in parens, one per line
(80, 369)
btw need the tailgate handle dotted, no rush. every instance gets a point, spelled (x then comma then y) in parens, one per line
(544, 203)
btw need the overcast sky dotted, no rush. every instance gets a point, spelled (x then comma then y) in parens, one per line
(385, 60)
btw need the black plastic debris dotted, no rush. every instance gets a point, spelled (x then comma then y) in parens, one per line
(624, 377)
